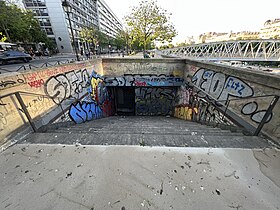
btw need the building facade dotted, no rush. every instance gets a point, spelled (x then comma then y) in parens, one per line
(84, 13)
(271, 29)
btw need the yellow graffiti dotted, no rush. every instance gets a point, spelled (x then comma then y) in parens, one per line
(178, 73)
(94, 84)
(185, 112)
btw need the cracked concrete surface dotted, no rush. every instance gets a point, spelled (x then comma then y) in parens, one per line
(134, 177)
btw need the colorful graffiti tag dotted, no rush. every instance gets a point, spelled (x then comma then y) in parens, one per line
(97, 104)
(220, 86)
(64, 86)
(84, 111)
(154, 101)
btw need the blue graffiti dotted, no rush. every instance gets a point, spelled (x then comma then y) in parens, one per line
(235, 85)
(82, 112)
(95, 76)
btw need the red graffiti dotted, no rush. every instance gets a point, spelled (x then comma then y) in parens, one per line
(140, 83)
(107, 108)
(37, 83)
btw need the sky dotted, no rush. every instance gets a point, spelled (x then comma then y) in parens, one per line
(195, 17)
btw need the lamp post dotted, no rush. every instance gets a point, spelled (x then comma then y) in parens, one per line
(67, 8)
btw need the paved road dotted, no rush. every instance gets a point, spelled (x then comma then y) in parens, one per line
(37, 62)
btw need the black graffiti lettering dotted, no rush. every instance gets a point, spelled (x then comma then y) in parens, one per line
(154, 101)
(144, 80)
(66, 86)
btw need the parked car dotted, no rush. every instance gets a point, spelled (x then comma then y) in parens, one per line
(8, 56)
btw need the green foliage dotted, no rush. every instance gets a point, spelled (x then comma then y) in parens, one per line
(122, 39)
(3, 38)
(148, 23)
(95, 36)
(20, 26)
(166, 46)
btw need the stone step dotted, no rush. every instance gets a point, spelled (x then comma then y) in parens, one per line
(148, 140)
(116, 127)
(132, 127)
(148, 132)
(99, 123)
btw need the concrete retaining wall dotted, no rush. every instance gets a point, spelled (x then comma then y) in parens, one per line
(47, 83)
(120, 67)
(238, 85)
(64, 85)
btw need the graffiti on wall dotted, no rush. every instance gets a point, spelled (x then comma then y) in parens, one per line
(65, 86)
(37, 105)
(220, 86)
(97, 104)
(184, 100)
(140, 67)
(154, 101)
(251, 109)
(11, 82)
(144, 80)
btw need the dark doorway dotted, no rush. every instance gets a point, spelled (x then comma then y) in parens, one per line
(125, 100)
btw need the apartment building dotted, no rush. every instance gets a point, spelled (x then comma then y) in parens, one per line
(271, 29)
(84, 13)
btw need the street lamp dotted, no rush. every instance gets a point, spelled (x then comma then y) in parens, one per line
(67, 8)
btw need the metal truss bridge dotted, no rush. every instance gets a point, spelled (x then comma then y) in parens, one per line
(243, 50)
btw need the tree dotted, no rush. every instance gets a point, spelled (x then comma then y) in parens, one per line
(20, 26)
(93, 35)
(121, 40)
(3, 38)
(148, 23)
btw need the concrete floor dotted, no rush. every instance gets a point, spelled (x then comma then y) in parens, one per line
(37, 176)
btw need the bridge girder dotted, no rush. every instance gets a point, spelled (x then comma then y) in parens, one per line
(259, 50)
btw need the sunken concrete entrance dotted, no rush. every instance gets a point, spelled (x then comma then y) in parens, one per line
(144, 94)
(124, 100)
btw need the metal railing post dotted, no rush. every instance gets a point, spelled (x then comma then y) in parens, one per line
(266, 115)
(225, 110)
(25, 111)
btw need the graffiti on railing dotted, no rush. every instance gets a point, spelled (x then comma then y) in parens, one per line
(64, 86)
(98, 103)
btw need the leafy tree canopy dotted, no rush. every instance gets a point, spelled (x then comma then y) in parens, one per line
(148, 23)
(3, 38)
(93, 35)
(20, 26)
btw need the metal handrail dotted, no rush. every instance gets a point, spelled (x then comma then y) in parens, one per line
(265, 117)
(23, 106)
(46, 64)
